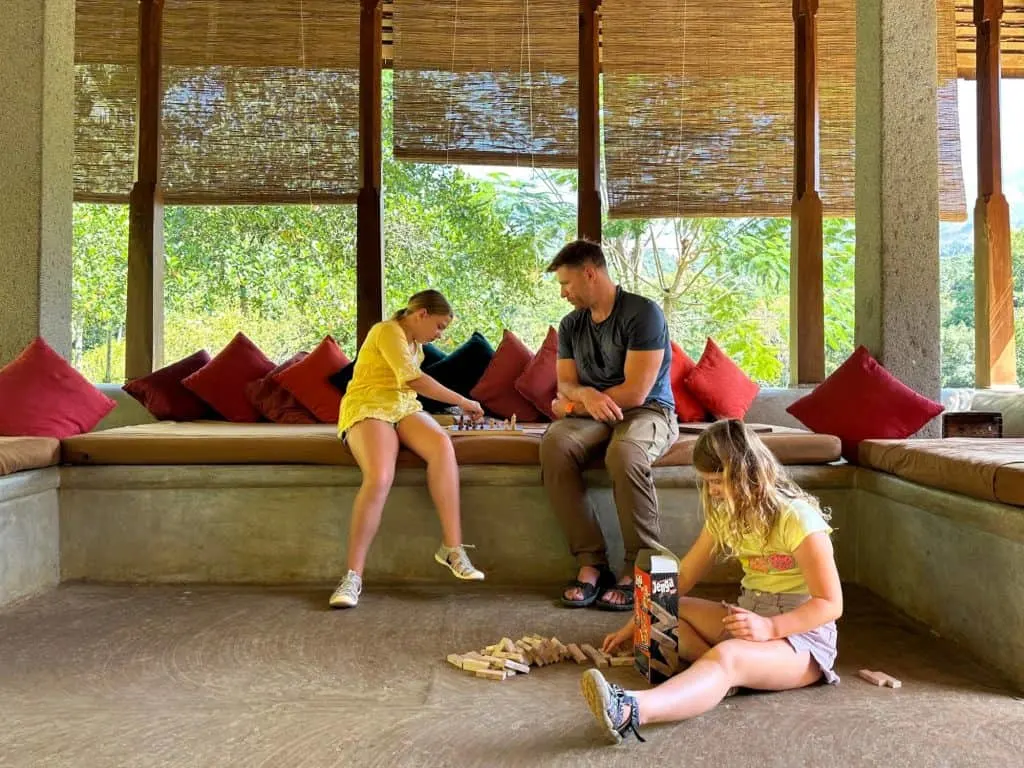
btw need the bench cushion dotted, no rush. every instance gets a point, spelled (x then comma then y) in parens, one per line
(18, 454)
(981, 468)
(226, 443)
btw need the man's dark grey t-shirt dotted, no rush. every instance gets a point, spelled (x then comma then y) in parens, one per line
(599, 349)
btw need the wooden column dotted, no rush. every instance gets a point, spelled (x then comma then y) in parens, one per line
(144, 316)
(806, 289)
(370, 214)
(588, 210)
(995, 353)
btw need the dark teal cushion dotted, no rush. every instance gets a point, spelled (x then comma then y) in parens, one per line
(460, 370)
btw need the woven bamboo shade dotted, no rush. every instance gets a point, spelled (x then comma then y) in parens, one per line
(952, 195)
(1011, 34)
(106, 54)
(486, 81)
(698, 112)
(260, 101)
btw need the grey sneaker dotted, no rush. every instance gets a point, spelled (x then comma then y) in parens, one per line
(608, 703)
(457, 561)
(347, 593)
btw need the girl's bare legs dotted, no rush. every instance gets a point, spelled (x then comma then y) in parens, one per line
(428, 440)
(374, 445)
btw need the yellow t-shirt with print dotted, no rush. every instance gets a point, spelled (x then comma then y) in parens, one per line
(380, 389)
(770, 566)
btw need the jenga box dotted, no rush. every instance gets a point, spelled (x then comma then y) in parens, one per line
(656, 614)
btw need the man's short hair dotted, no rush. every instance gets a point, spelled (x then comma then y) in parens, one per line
(577, 254)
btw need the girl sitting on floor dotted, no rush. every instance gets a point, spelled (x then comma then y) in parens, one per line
(782, 635)
(379, 413)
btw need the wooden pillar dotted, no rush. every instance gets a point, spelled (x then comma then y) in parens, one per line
(995, 353)
(369, 205)
(588, 210)
(806, 289)
(144, 315)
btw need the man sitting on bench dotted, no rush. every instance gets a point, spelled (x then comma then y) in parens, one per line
(614, 396)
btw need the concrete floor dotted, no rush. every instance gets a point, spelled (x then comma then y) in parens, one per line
(215, 676)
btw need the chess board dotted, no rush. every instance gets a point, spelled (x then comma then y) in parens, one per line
(490, 427)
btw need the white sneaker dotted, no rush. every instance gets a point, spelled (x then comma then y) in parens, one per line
(457, 561)
(347, 593)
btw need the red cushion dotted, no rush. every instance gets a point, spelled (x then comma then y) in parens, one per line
(719, 385)
(275, 402)
(221, 382)
(42, 396)
(163, 394)
(308, 381)
(496, 390)
(863, 401)
(688, 408)
(538, 382)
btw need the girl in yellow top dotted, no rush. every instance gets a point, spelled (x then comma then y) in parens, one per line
(379, 413)
(782, 634)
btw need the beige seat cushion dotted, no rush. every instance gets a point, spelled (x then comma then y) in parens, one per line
(18, 454)
(980, 468)
(226, 443)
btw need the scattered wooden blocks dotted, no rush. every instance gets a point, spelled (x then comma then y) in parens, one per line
(879, 678)
(508, 657)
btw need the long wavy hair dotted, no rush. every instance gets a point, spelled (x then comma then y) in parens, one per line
(756, 487)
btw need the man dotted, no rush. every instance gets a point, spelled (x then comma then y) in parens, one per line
(614, 396)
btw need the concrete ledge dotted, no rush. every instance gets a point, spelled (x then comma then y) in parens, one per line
(954, 563)
(29, 551)
(990, 516)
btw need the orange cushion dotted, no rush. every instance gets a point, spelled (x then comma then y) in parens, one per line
(496, 389)
(308, 380)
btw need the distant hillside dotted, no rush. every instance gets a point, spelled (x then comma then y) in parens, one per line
(956, 238)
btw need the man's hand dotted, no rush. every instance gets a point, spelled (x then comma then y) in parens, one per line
(558, 407)
(600, 406)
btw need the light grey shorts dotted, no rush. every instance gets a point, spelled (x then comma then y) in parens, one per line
(819, 642)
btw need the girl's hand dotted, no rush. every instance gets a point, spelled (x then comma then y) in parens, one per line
(472, 409)
(623, 637)
(747, 625)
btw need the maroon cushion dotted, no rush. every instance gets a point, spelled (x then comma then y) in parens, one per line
(688, 408)
(275, 402)
(221, 382)
(863, 401)
(42, 396)
(538, 383)
(720, 385)
(496, 390)
(163, 394)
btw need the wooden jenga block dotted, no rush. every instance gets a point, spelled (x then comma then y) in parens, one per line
(517, 667)
(491, 674)
(474, 665)
(495, 662)
(579, 656)
(474, 655)
(563, 652)
(872, 677)
(517, 656)
(455, 660)
(595, 655)
(507, 645)
(621, 661)
(889, 680)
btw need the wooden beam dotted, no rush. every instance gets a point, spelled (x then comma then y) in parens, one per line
(588, 209)
(806, 289)
(369, 205)
(144, 314)
(995, 358)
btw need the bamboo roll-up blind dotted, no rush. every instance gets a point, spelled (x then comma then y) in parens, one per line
(486, 81)
(1011, 39)
(260, 101)
(106, 85)
(698, 108)
(952, 195)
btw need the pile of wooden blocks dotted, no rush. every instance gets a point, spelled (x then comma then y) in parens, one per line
(508, 658)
